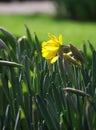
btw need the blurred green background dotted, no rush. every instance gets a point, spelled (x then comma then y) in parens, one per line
(73, 31)
(75, 20)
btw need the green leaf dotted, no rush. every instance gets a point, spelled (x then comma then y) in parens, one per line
(91, 46)
(23, 120)
(17, 122)
(57, 97)
(7, 33)
(69, 70)
(61, 70)
(27, 73)
(1, 99)
(44, 112)
(30, 42)
(76, 91)
(53, 113)
(94, 70)
(38, 47)
(7, 118)
(9, 63)
(3, 45)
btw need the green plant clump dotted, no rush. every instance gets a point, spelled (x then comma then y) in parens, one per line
(37, 95)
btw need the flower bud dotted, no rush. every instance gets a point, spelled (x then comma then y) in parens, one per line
(71, 59)
(76, 53)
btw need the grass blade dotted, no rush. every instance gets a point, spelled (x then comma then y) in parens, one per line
(17, 122)
(7, 33)
(7, 118)
(3, 45)
(44, 112)
(9, 63)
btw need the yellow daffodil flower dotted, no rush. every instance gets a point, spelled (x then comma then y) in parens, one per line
(51, 48)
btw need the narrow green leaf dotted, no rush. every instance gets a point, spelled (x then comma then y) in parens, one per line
(57, 97)
(69, 70)
(44, 112)
(76, 91)
(85, 50)
(38, 47)
(5, 85)
(46, 83)
(17, 122)
(94, 69)
(23, 120)
(30, 42)
(71, 102)
(69, 116)
(9, 63)
(91, 46)
(88, 114)
(1, 99)
(27, 73)
(19, 93)
(61, 70)
(7, 118)
(7, 33)
(3, 45)
(53, 113)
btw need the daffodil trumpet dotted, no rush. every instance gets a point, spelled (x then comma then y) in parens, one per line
(51, 47)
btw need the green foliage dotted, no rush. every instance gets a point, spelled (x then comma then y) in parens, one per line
(35, 95)
(82, 10)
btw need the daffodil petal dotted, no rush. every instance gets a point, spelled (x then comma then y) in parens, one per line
(52, 37)
(49, 55)
(60, 39)
(54, 59)
(51, 48)
(44, 44)
(50, 43)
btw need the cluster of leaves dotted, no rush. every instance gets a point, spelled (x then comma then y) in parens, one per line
(35, 95)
